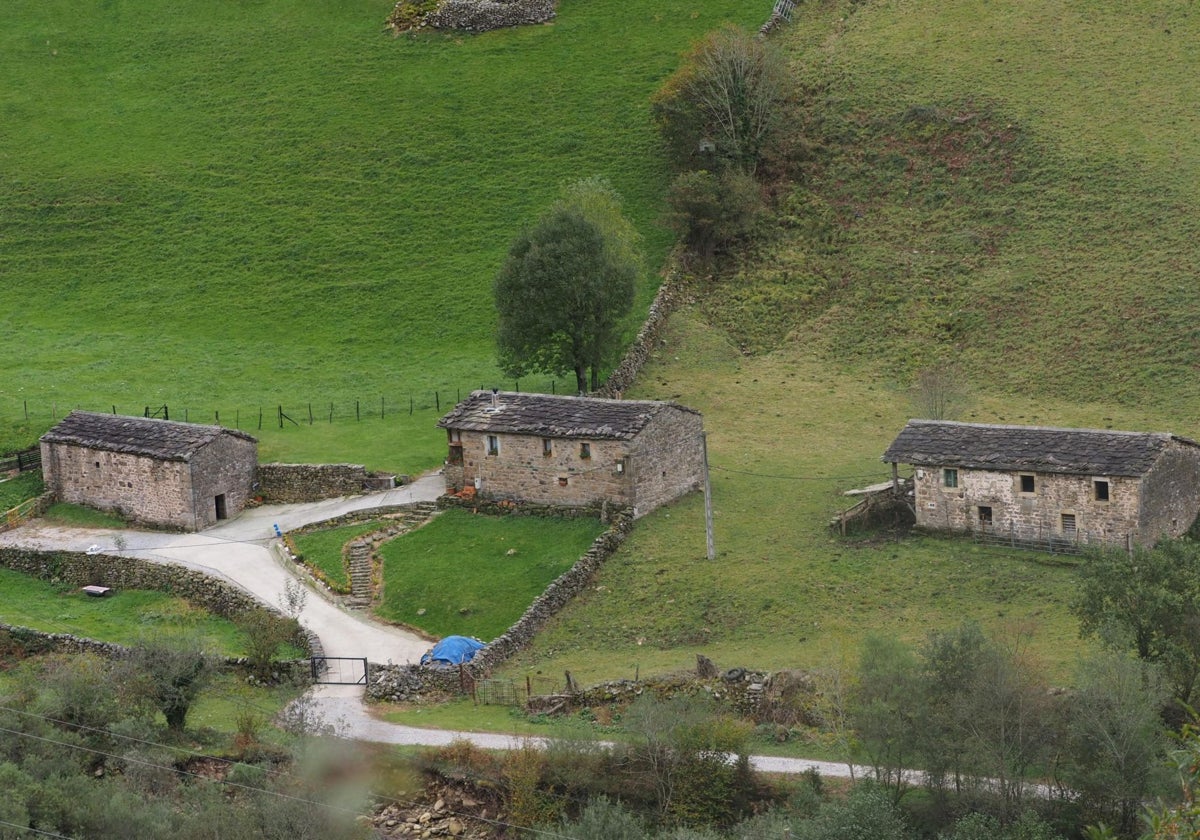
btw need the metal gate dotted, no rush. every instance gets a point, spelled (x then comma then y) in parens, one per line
(339, 670)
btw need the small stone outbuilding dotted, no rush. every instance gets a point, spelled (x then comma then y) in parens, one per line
(154, 472)
(1036, 483)
(574, 451)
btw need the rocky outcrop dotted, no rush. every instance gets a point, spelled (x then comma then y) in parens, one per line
(485, 15)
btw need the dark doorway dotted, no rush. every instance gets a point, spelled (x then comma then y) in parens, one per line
(221, 514)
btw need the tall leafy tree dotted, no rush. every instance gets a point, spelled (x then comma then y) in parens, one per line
(563, 291)
(1148, 601)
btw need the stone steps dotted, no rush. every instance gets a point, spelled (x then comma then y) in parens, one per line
(361, 560)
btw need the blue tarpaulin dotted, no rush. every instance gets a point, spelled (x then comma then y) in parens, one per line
(452, 650)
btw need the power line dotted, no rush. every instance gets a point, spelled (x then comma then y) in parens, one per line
(799, 477)
(40, 831)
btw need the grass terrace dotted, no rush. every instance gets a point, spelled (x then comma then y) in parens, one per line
(472, 575)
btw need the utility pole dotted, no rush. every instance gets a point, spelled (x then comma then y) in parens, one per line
(708, 516)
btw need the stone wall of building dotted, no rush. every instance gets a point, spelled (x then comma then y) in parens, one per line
(313, 482)
(667, 459)
(137, 488)
(521, 470)
(224, 468)
(1170, 494)
(1037, 515)
(78, 569)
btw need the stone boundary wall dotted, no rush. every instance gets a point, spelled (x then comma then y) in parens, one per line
(398, 683)
(291, 483)
(39, 642)
(603, 511)
(362, 515)
(670, 296)
(78, 569)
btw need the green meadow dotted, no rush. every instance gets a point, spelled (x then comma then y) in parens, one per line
(220, 208)
(223, 209)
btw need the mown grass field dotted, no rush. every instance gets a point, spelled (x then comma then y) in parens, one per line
(20, 488)
(220, 208)
(471, 575)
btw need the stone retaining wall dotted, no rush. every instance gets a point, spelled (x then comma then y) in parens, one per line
(78, 569)
(603, 511)
(292, 483)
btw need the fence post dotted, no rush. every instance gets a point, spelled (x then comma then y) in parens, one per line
(216, 417)
(20, 466)
(437, 402)
(357, 416)
(331, 412)
(260, 418)
(381, 399)
(310, 418)
(410, 406)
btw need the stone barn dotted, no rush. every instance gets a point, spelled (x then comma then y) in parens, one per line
(574, 451)
(1039, 484)
(154, 472)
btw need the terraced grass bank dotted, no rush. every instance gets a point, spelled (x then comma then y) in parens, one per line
(474, 575)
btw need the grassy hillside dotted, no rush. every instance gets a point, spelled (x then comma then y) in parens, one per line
(223, 207)
(1011, 186)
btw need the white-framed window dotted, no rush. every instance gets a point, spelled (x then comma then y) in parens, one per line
(547, 447)
(493, 445)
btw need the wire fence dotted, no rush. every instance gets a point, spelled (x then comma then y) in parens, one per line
(513, 693)
(290, 412)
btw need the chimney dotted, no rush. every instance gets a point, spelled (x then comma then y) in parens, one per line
(495, 398)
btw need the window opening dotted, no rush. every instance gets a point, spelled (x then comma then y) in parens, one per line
(493, 445)
(1101, 488)
(1028, 485)
(949, 477)
(985, 516)
(220, 503)
(547, 447)
(585, 450)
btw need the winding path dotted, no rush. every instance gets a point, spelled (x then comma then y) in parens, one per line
(239, 551)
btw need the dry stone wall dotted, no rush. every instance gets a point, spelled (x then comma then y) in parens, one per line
(670, 296)
(292, 483)
(78, 569)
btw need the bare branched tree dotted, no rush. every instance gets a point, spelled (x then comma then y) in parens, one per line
(940, 393)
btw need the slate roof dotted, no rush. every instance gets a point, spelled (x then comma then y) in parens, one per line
(1029, 448)
(555, 417)
(162, 439)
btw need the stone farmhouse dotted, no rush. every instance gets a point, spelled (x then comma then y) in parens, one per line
(574, 451)
(154, 472)
(1034, 483)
